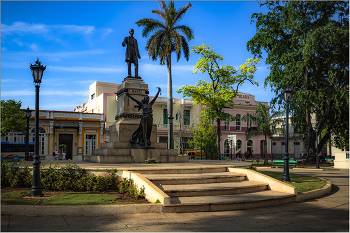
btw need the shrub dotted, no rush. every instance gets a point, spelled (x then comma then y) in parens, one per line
(15, 174)
(68, 178)
(151, 160)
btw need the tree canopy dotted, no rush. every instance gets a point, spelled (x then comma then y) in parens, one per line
(217, 93)
(13, 118)
(307, 43)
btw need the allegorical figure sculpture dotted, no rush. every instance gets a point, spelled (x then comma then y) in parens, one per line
(141, 138)
(132, 53)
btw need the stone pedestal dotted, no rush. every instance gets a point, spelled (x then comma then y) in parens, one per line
(119, 149)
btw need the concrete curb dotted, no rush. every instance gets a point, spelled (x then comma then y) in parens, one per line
(83, 210)
(315, 193)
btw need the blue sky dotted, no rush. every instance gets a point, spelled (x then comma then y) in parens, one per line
(81, 42)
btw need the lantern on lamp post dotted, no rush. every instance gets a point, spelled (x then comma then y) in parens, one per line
(37, 72)
(287, 97)
(28, 113)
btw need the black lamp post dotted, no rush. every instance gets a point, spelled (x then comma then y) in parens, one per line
(37, 71)
(201, 145)
(28, 115)
(317, 158)
(287, 97)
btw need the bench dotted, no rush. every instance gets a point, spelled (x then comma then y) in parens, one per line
(292, 162)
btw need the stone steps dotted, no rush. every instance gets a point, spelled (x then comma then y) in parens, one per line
(213, 189)
(216, 189)
(228, 202)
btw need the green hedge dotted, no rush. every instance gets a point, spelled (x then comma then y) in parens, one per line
(68, 178)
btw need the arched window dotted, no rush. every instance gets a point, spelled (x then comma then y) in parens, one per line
(227, 147)
(238, 146)
(250, 146)
(42, 133)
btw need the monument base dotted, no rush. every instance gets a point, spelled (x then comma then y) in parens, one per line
(136, 156)
(119, 149)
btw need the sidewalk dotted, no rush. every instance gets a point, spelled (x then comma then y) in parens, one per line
(329, 213)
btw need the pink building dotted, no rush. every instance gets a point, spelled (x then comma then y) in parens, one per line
(244, 103)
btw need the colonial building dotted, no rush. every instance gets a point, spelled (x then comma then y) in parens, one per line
(244, 104)
(75, 133)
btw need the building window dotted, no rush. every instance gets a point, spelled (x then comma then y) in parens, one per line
(238, 122)
(283, 143)
(226, 148)
(227, 124)
(187, 117)
(176, 117)
(93, 96)
(274, 143)
(165, 116)
(90, 143)
(296, 143)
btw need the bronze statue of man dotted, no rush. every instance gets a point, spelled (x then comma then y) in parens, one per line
(132, 53)
(141, 138)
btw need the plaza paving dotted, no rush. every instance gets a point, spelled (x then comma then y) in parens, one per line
(329, 213)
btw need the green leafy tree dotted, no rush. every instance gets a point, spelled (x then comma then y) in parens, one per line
(208, 132)
(13, 118)
(166, 39)
(307, 43)
(217, 93)
(263, 124)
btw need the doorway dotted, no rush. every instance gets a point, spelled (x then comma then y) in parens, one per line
(66, 144)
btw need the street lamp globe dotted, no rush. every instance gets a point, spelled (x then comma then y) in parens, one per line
(28, 112)
(37, 71)
(288, 94)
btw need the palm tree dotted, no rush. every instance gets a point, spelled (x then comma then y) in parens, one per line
(263, 124)
(166, 39)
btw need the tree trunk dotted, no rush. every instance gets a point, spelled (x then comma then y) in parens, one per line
(218, 134)
(169, 100)
(266, 162)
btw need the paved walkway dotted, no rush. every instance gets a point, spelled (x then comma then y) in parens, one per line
(329, 213)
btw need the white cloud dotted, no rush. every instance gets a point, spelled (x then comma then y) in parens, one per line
(34, 47)
(52, 56)
(21, 27)
(182, 68)
(106, 32)
(74, 28)
(64, 93)
(17, 93)
(45, 92)
(10, 81)
(17, 41)
(87, 69)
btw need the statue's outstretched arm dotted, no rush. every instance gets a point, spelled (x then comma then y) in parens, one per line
(138, 102)
(154, 99)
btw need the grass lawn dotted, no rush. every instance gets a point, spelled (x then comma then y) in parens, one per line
(21, 197)
(301, 182)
